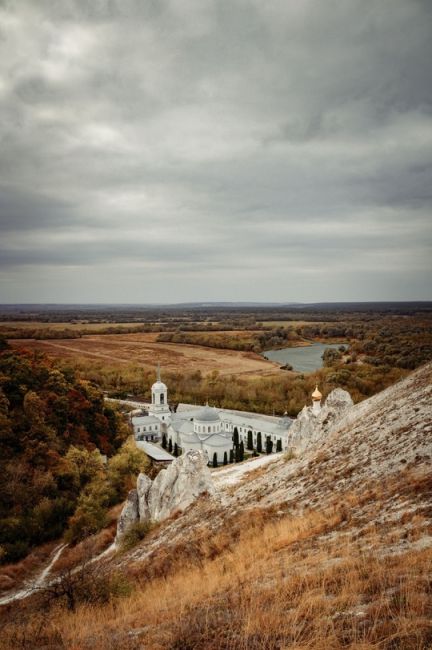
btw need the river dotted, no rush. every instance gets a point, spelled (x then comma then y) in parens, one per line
(303, 359)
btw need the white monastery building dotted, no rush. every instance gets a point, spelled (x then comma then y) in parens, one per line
(146, 427)
(211, 429)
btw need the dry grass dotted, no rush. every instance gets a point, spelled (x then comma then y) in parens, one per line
(266, 581)
(13, 575)
(90, 547)
(142, 349)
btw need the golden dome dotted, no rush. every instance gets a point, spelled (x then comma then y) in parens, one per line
(316, 395)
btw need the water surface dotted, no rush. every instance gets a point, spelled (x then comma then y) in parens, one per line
(305, 359)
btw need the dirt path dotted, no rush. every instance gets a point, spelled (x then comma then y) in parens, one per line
(38, 583)
(235, 473)
(87, 353)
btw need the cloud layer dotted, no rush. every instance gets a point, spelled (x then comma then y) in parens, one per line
(215, 150)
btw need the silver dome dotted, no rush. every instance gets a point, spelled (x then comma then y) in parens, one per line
(207, 415)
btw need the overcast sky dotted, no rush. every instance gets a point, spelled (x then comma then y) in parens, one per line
(177, 150)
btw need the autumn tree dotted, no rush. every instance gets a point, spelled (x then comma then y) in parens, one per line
(54, 428)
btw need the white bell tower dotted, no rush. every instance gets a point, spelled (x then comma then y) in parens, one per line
(159, 405)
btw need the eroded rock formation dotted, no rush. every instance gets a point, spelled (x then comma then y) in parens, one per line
(129, 515)
(174, 488)
(308, 428)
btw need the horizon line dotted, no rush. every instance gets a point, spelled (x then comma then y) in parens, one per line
(214, 302)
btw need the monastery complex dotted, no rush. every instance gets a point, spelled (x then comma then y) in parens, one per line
(210, 429)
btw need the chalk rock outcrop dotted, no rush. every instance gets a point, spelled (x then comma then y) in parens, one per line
(174, 488)
(309, 427)
(337, 402)
(144, 485)
(129, 515)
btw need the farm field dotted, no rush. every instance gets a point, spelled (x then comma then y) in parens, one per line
(290, 323)
(77, 326)
(144, 350)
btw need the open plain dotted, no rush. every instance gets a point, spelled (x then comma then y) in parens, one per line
(145, 350)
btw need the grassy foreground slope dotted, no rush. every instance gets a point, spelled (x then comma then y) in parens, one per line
(331, 550)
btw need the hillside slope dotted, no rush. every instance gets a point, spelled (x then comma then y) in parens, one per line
(331, 550)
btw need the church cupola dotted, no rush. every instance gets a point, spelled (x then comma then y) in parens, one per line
(316, 401)
(207, 421)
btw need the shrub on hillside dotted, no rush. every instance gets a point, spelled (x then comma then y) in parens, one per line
(134, 534)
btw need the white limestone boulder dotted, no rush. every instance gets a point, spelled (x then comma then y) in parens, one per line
(338, 400)
(129, 515)
(174, 488)
(144, 484)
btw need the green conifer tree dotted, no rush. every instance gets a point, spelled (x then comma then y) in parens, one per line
(225, 460)
(176, 451)
(250, 441)
(215, 461)
(279, 445)
(170, 446)
(241, 451)
(164, 441)
(231, 458)
(269, 445)
(259, 442)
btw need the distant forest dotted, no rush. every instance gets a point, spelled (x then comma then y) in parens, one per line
(205, 312)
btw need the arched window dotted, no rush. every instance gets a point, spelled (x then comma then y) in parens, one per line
(209, 429)
(162, 398)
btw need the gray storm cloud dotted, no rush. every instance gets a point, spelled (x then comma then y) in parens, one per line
(171, 151)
